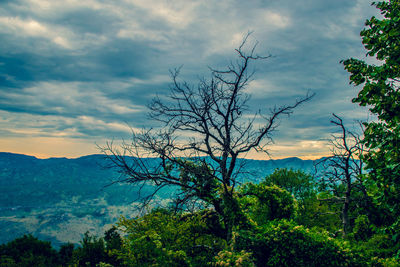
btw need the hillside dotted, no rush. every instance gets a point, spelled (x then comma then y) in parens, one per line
(58, 199)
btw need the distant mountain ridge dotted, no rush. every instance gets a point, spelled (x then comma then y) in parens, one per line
(58, 199)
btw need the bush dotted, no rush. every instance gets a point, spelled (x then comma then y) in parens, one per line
(233, 258)
(388, 262)
(162, 238)
(283, 243)
(362, 228)
(379, 248)
(264, 203)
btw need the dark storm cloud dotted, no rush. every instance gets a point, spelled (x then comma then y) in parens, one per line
(86, 68)
(113, 61)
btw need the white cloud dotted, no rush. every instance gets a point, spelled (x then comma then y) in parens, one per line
(33, 28)
(59, 35)
(274, 20)
(66, 97)
(266, 88)
(49, 9)
(176, 13)
(96, 124)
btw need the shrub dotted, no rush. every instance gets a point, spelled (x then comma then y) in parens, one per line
(264, 203)
(362, 228)
(283, 243)
(162, 238)
(380, 248)
(230, 257)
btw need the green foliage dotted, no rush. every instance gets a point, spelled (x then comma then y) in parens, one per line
(300, 184)
(263, 203)
(166, 238)
(378, 246)
(198, 175)
(381, 92)
(362, 228)
(91, 252)
(386, 262)
(162, 238)
(103, 264)
(234, 214)
(7, 261)
(327, 213)
(229, 257)
(113, 243)
(28, 251)
(113, 239)
(284, 243)
(382, 40)
(66, 254)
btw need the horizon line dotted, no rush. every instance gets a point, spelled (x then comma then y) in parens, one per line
(38, 156)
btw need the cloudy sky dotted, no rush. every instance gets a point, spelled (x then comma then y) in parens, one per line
(76, 73)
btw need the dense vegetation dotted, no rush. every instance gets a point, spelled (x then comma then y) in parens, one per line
(283, 223)
(288, 219)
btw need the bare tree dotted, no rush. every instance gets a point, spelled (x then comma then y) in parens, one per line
(206, 128)
(343, 171)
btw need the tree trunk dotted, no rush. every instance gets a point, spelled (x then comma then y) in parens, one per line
(345, 211)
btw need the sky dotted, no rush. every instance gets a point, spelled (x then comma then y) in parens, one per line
(75, 74)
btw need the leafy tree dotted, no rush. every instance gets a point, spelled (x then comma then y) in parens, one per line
(91, 252)
(263, 203)
(28, 251)
(66, 252)
(165, 238)
(113, 243)
(112, 238)
(215, 114)
(381, 93)
(300, 184)
(303, 187)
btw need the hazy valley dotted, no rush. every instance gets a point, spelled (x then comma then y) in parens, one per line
(59, 199)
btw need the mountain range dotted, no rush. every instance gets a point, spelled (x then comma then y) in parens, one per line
(59, 199)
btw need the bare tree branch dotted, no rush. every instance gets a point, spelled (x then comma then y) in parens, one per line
(204, 165)
(343, 171)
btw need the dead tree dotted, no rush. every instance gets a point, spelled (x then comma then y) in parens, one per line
(342, 172)
(205, 129)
